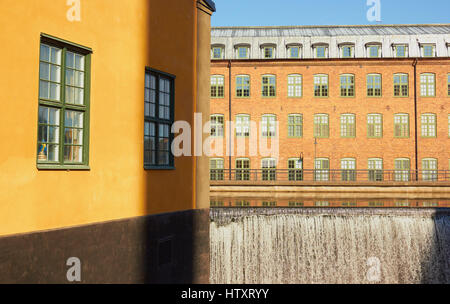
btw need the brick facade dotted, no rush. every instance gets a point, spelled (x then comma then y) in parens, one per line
(336, 148)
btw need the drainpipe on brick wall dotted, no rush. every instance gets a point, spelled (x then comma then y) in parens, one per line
(415, 117)
(229, 115)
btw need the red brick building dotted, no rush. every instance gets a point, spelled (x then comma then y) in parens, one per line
(371, 102)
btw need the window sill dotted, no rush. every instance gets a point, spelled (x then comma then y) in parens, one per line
(148, 167)
(51, 167)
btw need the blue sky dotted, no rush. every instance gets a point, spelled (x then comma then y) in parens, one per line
(326, 12)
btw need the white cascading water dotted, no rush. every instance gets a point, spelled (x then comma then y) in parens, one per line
(293, 246)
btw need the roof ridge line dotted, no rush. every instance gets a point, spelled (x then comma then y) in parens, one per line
(328, 26)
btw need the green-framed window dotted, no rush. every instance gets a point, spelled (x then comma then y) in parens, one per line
(401, 125)
(64, 102)
(217, 52)
(448, 85)
(242, 125)
(216, 169)
(427, 85)
(158, 119)
(269, 86)
(217, 86)
(269, 169)
(401, 50)
(374, 85)
(295, 85)
(269, 125)
(428, 125)
(374, 125)
(347, 85)
(348, 125)
(294, 52)
(242, 52)
(375, 167)
(321, 169)
(243, 169)
(217, 125)
(295, 125)
(268, 52)
(242, 86)
(321, 51)
(429, 169)
(402, 169)
(428, 50)
(347, 51)
(295, 169)
(401, 87)
(321, 126)
(321, 85)
(374, 51)
(348, 169)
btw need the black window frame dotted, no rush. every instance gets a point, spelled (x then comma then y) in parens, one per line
(158, 121)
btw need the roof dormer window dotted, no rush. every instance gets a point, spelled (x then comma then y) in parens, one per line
(268, 51)
(242, 51)
(347, 50)
(400, 50)
(428, 50)
(217, 52)
(320, 50)
(294, 51)
(373, 50)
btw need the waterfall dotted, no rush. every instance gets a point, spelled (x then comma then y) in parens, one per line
(310, 245)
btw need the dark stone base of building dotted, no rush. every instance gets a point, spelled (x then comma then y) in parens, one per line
(166, 248)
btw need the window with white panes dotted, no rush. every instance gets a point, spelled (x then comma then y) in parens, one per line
(295, 85)
(429, 169)
(217, 125)
(321, 126)
(374, 125)
(428, 125)
(242, 125)
(268, 125)
(295, 125)
(348, 125)
(269, 166)
(322, 169)
(348, 169)
(375, 167)
(401, 125)
(402, 170)
(427, 85)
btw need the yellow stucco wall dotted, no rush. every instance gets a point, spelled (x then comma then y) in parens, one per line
(125, 36)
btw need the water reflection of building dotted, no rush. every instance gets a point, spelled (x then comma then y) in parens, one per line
(358, 103)
(218, 202)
